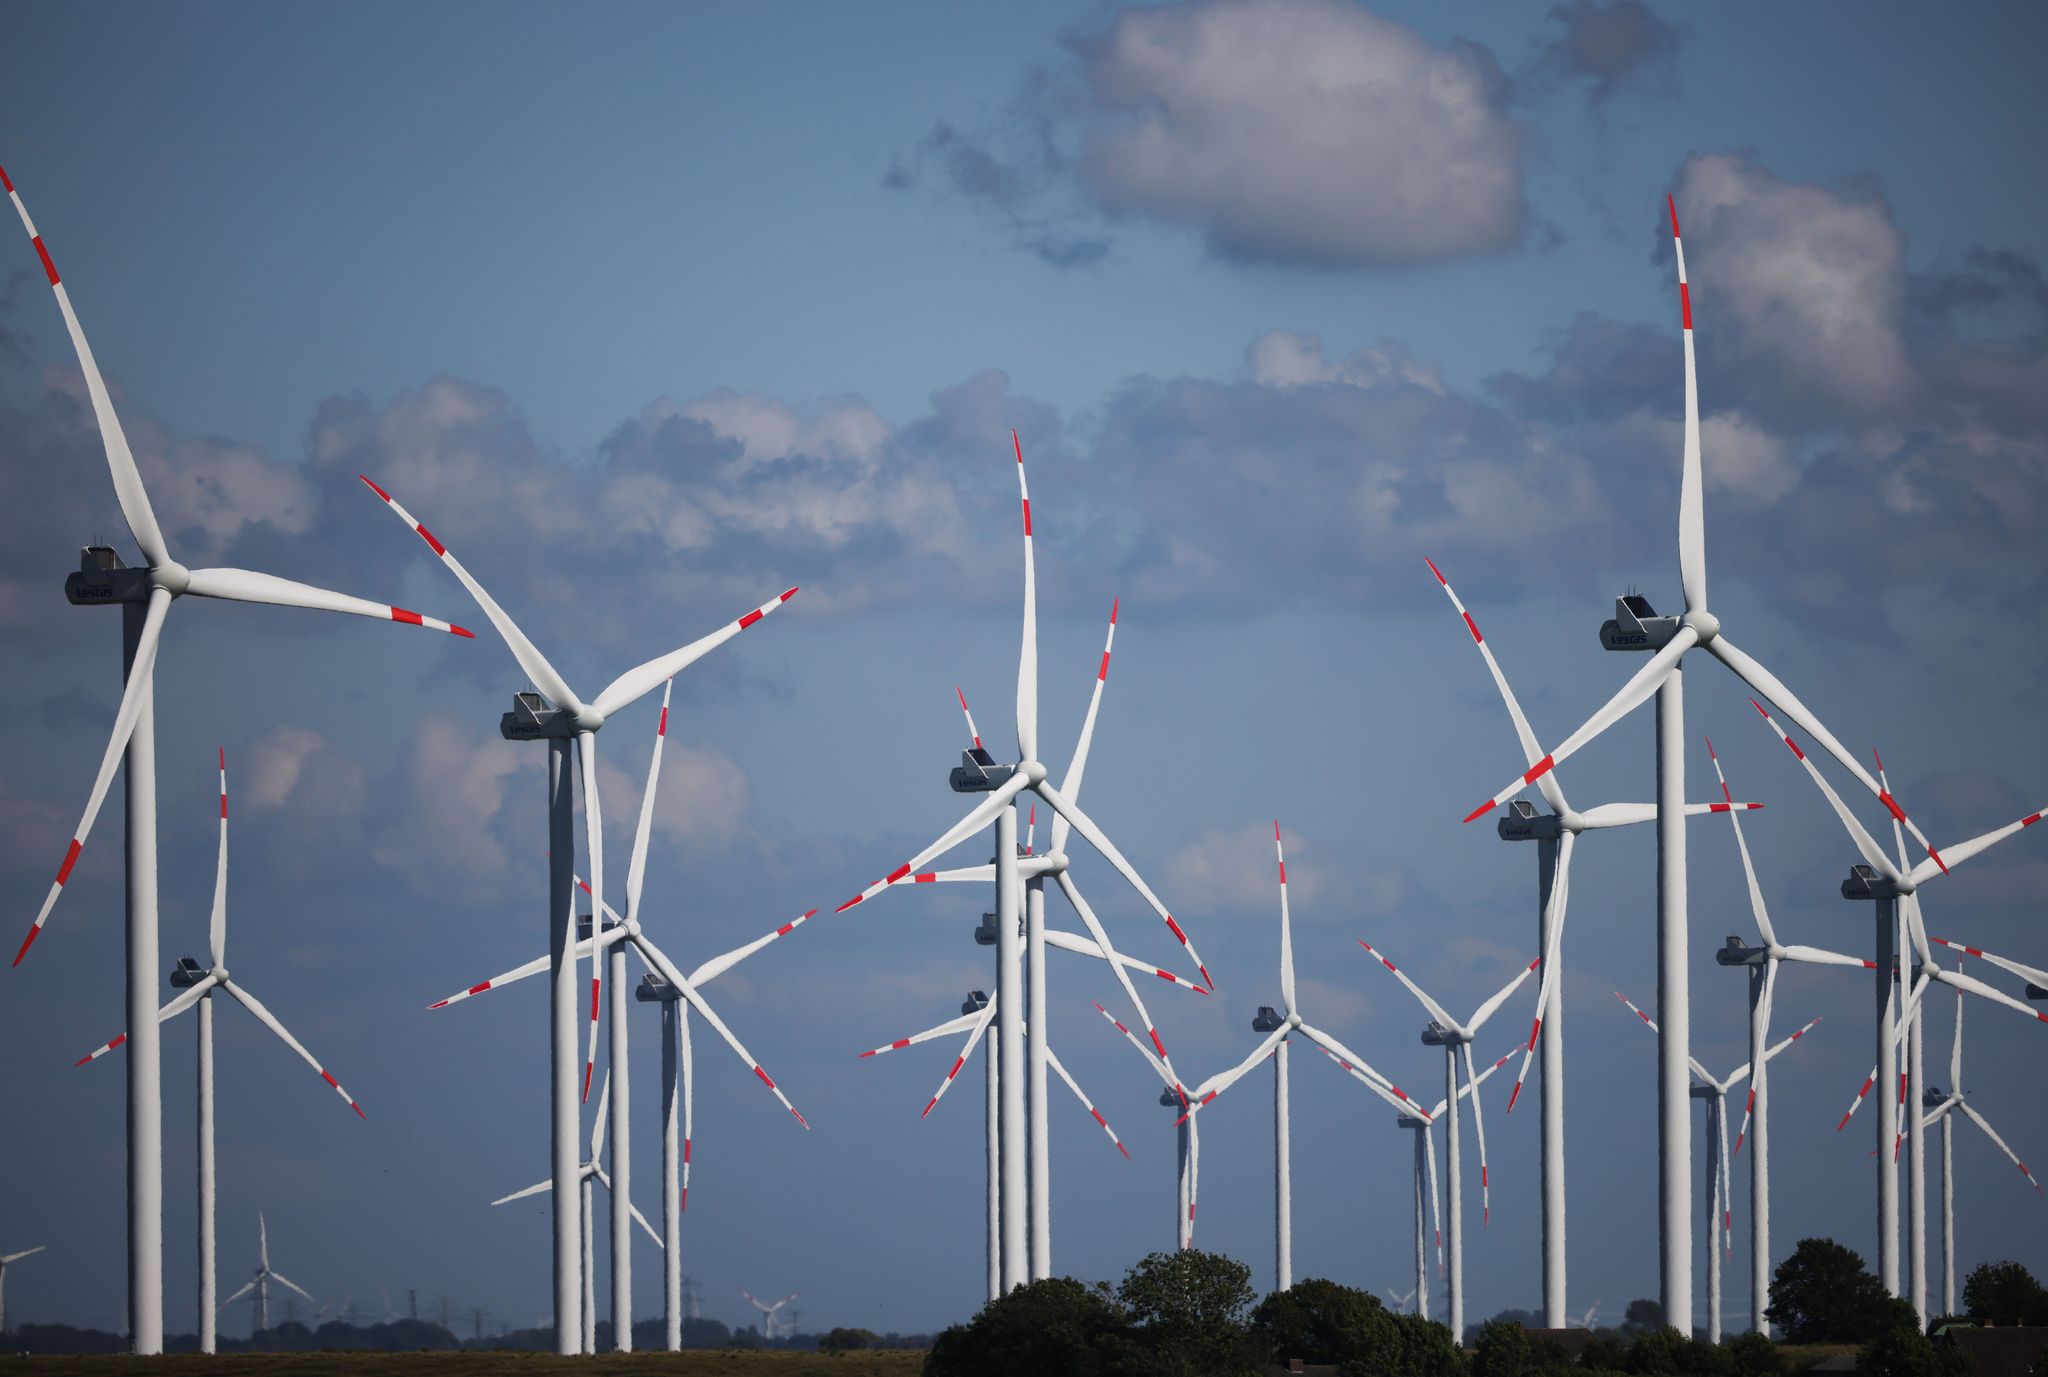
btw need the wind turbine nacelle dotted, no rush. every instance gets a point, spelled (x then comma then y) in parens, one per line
(1267, 1020)
(1865, 884)
(1410, 1121)
(103, 578)
(2035, 992)
(1700, 1092)
(1932, 1097)
(976, 1001)
(1169, 1098)
(978, 772)
(985, 935)
(1636, 626)
(1522, 822)
(583, 926)
(1734, 952)
(654, 989)
(533, 718)
(1436, 1035)
(187, 973)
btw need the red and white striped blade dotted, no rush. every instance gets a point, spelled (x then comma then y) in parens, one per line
(720, 964)
(1820, 956)
(979, 817)
(1547, 988)
(1095, 930)
(1071, 784)
(601, 1119)
(971, 729)
(951, 1026)
(1757, 908)
(1486, 1011)
(1436, 1213)
(1027, 654)
(1479, 1126)
(128, 487)
(1430, 1006)
(1980, 1121)
(1053, 1061)
(628, 687)
(1631, 696)
(1087, 946)
(134, 695)
(1639, 1013)
(1762, 1075)
(1857, 1103)
(517, 973)
(1151, 1057)
(1866, 845)
(593, 845)
(217, 921)
(1983, 991)
(978, 1025)
(2030, 973)
(1955, 855)
(187, 997)
(1407, 1103)
(269, 1020)
(246, 585)
(1286, 929)
(689, 992)
(1472, 1086)
(1208, 1090)
(689, 1079)
(1096, 838)
(643, 829)
(1787, 1042)
(1692, 528)
(1532, 750)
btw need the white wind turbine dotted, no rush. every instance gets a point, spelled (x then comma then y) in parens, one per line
(591, 1171)
(1762, 963)
(1940, 1108)
(260, 1284)
(770, 1317)
(145, 596)
(1028, 1166)
(557, 716)
(1720, 1212)
(1555, 834)
(1404, 1301)
(1585, 1321)
(1896, 1016)
(199, 985)
(1637, 627)
(6, 1261)
(1278, 1028)
(1456, 1038)
(1188, 1148)
(615, 934)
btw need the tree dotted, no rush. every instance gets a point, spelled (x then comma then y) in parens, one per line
(847, 1340)
(1642, 1316)
(1822, 1294)
(1188, 1309)
(1321, 1322)
(1425, 1348)
(1755, 1355)
(1502, 1350)
(2004, 1293)
(1902, 1348)
(1056, 1325)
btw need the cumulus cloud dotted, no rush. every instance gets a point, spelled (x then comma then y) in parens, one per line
(1234, 871)
(701, 798)
(443, 828)
(1283, 358)
(297, 766)
(1607, 45)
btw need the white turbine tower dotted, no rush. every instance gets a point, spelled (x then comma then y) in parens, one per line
(678, 1076)
(1027, 1163)
(145, 596)
(1940, 1108)
(557, 715)
(1638, 628)
(770, 1314)
(199, 984)
(1762, 964)
(6, 1261)
(591, 1171)
(1555, 833)
(1456, 1038)
(260, 1284)
(1720, 1212)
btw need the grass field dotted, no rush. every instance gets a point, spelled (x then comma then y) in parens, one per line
(693, 1363)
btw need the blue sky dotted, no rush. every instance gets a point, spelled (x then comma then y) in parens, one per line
(656, 315)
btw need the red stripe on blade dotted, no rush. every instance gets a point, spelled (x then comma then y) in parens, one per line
(1685, 303)
(428, 536)
(44, 254)
(750, 619)
(1027, 505)
(375, 489)
(1473, 627)
(399, 614)
(328, 1076)
(764, 1078)
(5, 182)
(662, 728)
(70, 859)
(898, 873)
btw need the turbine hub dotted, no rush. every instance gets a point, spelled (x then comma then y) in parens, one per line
(1705, 623)
(170, 576)
(1032, 770)
(1570, 821)
(1293, 1020)
(588, 719)
(1055, 862)
(219, 974)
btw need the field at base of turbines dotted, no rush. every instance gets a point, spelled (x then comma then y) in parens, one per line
(898, 1362)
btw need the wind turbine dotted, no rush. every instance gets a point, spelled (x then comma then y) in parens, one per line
(1555, 834)
(1762, 964)
(588, 1172)
(199, 984)
(1003, 783)
(145, 596)
(1585, 1321)
(557, 715)
(1942, 1109)
(1637, 628)
(1188, 1147)
(1404, 1301)
(1456, 1038)
(1720, 1216)
(260, 1284)
(6, 1261)
(616, 933)
(770, 1321)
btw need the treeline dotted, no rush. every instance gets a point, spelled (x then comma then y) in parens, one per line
(414, 1336)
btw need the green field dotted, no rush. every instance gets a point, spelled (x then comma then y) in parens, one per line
(694, 1363)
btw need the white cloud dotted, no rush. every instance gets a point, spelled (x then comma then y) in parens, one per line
(455, 783)
(701, 798)
(297, 765)
(1283, 358)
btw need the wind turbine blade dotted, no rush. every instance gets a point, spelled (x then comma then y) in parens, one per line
(1762, 1076)
(593, 846)
(1087, 946)
(533, 967)
(27, 1252)
(1436, 1210)
(972, 874)
(597, 1126)
(1955, 1051)
(628, 687)
(1329, 1044)
(1499, 997)
(971, 731)
(1819, 956)
(247, 1287)
(1070, 785)
(1757, 908)
(1692, 528)
(247, 585)
(1983, 991)
(1054, 1062)
(2033, 974)
(1095, 930)
(1376, 1087)
(1857, 1103)
(1781, 1046)
(263, 1239)
(1027, 655)
(185, 1000)
(1434, 1009)
(537, 1188)
(1095, 837)
(282, 1279)
(1621, 814)
(1479, 1124)
(980, 816)
(1980, 1121)
(128, 487)
(1287, 930)
(1208, 1090)
(1631, 696)
(1151, 1057)
(269, 1020)
(697, 1002)
(136, 693)
(536, 666)
(1472, 1086)
(981, 1022)
(1532, 751)
(719, 965)
(689, 1075)
(217, 924)
(1639, 1013)
(641, 1220)
(1866, 845)
(636, 864)
(1546, 989)
(1727, 1182)
(1962, 851)
(946, 1029)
